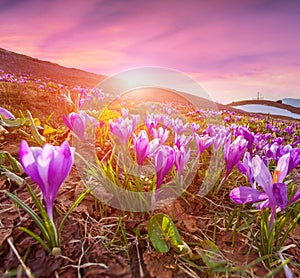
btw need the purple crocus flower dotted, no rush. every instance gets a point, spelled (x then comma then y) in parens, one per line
(260, 141)
(6, 114)
(160, 133)
(203, 142)
(78, 123)
(182, 156)
(294, 159)
(195, 126)
(143, 147)
(275, 191)
(178, 126)
(141, 144)
(245, 167)
(123, 128)
(219, 139)
(181, 139)
(233, 152)
(270, 127)
(247, 134)
(151, 121)
(164, 159)
(48, 167)
(282, 150)
(124, 112)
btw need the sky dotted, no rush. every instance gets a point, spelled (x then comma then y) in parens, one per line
(232, 48)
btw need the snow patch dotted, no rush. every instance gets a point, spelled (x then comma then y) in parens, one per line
(260, 108)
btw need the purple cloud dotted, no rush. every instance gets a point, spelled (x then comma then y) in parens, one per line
(233, 48)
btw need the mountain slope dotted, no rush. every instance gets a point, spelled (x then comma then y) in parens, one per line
(270, 103)
(15, 63)
(12, 62)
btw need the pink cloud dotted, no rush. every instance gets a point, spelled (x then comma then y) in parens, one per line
(234, 47)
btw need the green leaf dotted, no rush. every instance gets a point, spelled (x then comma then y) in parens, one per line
(32, 214)
(15, 164)
(75, 204)
(12, 176)
(47, 121)
(15, 123)
(163, 233)
(47, 222)
(211, 255)
(41, 140)
(36, 237)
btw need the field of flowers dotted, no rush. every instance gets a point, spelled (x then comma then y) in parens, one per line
(97, 184)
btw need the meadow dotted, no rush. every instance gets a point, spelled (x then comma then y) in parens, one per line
(94, 184)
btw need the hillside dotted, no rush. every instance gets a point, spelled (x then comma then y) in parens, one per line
(113, 229)
(15, 63)
(268, 103)
(11, 62)
(265, 106)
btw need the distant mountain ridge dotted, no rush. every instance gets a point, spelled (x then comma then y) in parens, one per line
(268, 107)
(292, 102)
(277, 104)
(16, 63)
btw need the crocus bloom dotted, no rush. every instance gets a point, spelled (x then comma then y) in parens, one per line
(160, 133)
(48, 167)
(181, 140)
(246, 167)
(275, 191)
(6, 114)
(78, 123)
(195, 126)
(152, 121)
(234, 152)
(124, 112)
(294, 159)
(178, 125)
(219, 139)
(247, 134)
(164, 159)
(143, 147)
(123, 128)
(182, 156)
(203, 142)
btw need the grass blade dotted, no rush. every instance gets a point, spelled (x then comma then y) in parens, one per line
(36, 237)
(32, 214)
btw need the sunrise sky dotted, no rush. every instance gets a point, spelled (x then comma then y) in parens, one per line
(233, 48)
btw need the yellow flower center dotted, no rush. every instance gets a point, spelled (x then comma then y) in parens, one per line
(276, 176)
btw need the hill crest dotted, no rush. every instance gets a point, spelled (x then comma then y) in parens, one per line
(16, 63)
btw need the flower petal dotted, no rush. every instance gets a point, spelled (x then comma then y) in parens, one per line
(262, 175)
(245, 194)
(60, 166)
(43, 161)
(280, 194)
(282, 167)
(28, 157)
(287, 271)
(6, 114)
